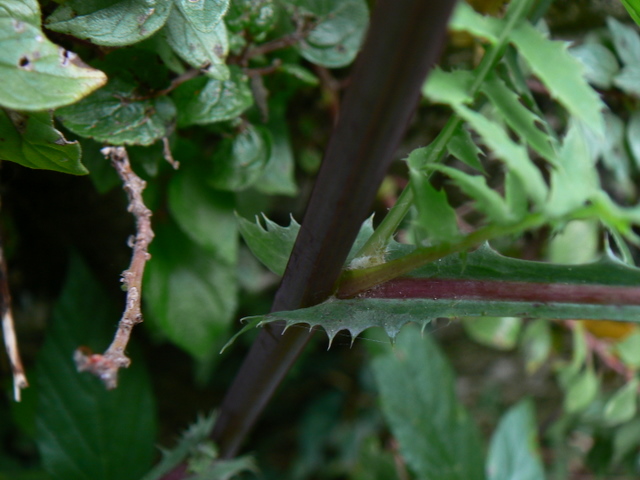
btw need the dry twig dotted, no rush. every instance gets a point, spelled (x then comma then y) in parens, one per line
(9, 333)
(106, 365)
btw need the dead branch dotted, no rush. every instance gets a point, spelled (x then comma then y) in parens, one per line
(9, 333)
(106, 365)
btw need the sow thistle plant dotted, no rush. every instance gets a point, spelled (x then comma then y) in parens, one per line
(206, 85)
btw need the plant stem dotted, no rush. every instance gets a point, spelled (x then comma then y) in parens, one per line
(376, 244)
(376, 109)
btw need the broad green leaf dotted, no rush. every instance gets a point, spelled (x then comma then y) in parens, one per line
(514, 451)
(627, 79)
(626, 440)
(239, 162)
(197, 43)
(629, 350)
(622, 406)
(465, 18)
(190, 295)
(625, 40)
(633, 7)
(30, 139)
(206, 100)
(339, 27)
(115, 115)
(487, 200)
(203, 15)
(497, 332)
(203, 213)
(574, 179)
(278, 174)
(451, 88)
(436, 220)
(633, 136)
(437, 437)
(38, 75)
(513, 155)
(581, 391)
(536, 344)
(271, 244)
(561, 73)
(522, 120)
(600, 64)
(112, 23)
(22, 10)
(85, 432)
(257, 17)
(464, 149)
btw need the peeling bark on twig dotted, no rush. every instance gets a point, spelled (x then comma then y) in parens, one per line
(9, 333)
(106, 365)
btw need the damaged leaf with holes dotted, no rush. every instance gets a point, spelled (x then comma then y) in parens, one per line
(37, 74)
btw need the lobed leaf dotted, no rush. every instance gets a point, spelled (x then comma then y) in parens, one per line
(561, 73)
(85, 432)
(36, 74)
(450, 88)
(31, 140)
(199, 37)
(466, 19)
(436, 435)
(464, 149)
(600, 64)
(114, 114)
(514, 451)
(436, 219)
(338, 30)
(202, 100)
(112, 23)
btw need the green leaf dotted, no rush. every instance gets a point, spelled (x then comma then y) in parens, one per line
(23, 10)
(436, 436)
(271, 244)
(625, 40)
(633, 136)
(513, 155)
(536, 344)
(515, 195)
(627, 80)
(514, 451)
(301, 73)
(466, 19)
(450, 88)
(633, 7)
(203, 15)
(190, 295)
(257, 17)
(464, 149)
(581, 391)
(436, 219)
(600, 64)
(626, 440)
(85, 432)
(622, 406)
(203, 100)
(240, 161)
(497, 332)
(488, 201)
(629, 350)
(339, 27)
(561, 73)
(200, 45)
(204, 214)
(114, 114)
(38, 75)
(30, 139)
(574, 179)
(522, 120)
(278, 174)
(112, 23)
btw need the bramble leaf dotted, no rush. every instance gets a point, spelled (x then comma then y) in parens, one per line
(206, 100)
(112, 23)
(85, 432)
(199, 37)
(513, 454)
(436, 435)
(37, 74)
(115, 115)
(338, 30)
(30, 139)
